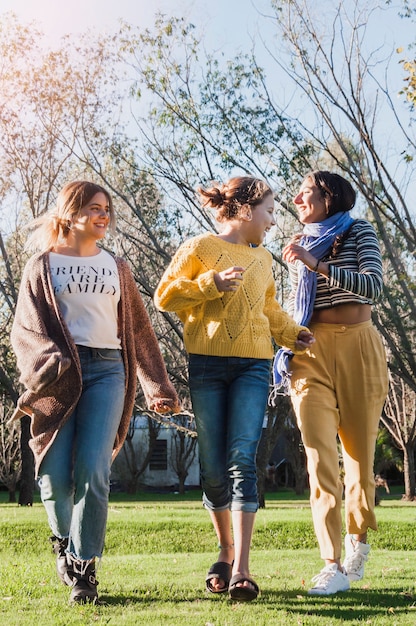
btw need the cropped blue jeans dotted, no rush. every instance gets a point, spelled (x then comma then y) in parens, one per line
(229, 397)
(74, 477)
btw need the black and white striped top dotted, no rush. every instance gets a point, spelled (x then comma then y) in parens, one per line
(355, 273)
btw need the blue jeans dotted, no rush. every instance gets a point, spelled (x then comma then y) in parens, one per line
(229, 397)
(75, 473)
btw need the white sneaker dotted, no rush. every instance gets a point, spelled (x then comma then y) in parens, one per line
(329, 580)
(356, 554)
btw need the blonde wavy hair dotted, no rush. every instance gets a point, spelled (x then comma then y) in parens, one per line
(53, 227)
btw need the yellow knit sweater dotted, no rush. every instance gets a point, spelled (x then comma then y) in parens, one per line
(239, 323)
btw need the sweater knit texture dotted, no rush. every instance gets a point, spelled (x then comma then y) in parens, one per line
(49, 363)
(234, 324)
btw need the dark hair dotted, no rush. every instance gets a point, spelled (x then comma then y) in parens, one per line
(338, 193)
(230, 197)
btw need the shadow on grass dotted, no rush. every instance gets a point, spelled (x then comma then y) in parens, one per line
(357, 604)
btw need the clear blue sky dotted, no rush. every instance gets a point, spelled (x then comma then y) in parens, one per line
(229, 24)
(225, 20)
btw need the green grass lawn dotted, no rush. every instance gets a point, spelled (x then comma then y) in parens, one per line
(159, 547)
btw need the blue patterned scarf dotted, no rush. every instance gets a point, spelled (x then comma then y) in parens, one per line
(318, 238)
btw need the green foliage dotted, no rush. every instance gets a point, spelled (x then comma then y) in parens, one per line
(387, 456)
(209, 115)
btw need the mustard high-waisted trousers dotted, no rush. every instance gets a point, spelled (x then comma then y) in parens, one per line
(338, 388)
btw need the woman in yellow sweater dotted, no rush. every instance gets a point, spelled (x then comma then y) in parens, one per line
(222, 288)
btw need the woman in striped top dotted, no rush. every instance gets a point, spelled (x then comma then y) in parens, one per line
(339, 386)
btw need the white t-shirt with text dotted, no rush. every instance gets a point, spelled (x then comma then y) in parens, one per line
(87, 290)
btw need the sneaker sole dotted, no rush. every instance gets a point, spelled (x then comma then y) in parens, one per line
(311, 592)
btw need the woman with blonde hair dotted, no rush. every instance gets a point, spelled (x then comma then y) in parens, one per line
(81, 335)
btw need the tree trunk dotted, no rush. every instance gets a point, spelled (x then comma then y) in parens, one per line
(296, 455)
(262, 459)
(261, 486)
(27, 479)
(298, 463)
(182, 483)
(409, 472)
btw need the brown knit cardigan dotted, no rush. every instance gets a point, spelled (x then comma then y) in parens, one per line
(49, 364)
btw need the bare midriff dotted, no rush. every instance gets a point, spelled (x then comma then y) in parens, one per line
(343, 314)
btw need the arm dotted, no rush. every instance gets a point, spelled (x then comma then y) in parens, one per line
(293, 278)
(159, 392)
(183, 285)
(368, 280)
(361, 273)
(39, 357)
(188, 283)
(284, 329)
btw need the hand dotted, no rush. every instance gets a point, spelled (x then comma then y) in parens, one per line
(161, 407)
(294, 252)
(304, 340)
(229, 279)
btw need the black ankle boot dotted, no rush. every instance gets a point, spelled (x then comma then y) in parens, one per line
(84, 583)
(63, 567)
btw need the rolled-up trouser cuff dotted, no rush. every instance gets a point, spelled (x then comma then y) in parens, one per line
(246, 507)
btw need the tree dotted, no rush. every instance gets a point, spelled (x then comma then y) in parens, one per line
(210, 117)
(338, 86)
(10, 466)
(205, 119)
(183, 448)
(70, 128)
(387, 456)
(136, 453)
(281, 422)
(231, 118)
(399, 418)
(410, 88)
(409, 66)
(47, 98)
